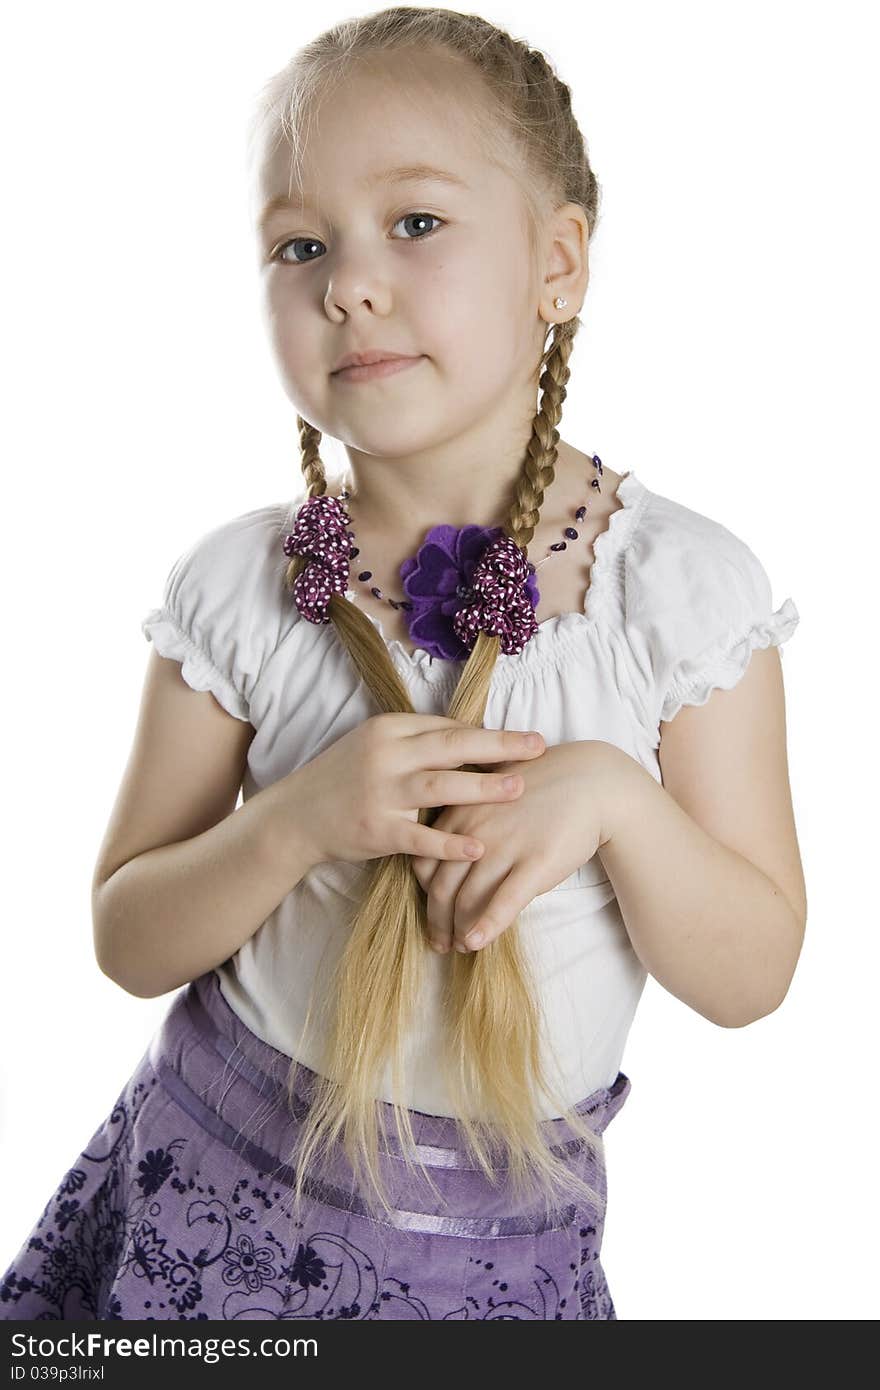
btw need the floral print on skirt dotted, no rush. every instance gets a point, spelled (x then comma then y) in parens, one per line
(179, 1206)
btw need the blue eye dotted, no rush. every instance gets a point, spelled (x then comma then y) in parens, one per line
(313, 241)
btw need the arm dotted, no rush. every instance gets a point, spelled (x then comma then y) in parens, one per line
(706, 867)
(172, 913)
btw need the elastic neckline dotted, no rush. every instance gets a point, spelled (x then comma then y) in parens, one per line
(608, 546)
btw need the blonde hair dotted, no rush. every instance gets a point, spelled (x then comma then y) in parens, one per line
(493, 1061)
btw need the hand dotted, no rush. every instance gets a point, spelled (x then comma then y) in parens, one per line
(360, 798)
(533, 842)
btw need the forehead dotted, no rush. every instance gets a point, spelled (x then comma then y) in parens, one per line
(372, 132)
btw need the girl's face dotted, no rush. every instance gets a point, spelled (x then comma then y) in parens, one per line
(365, 258)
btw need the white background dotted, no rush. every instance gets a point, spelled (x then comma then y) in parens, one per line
(728, 356)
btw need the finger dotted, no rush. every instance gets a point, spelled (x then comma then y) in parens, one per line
(441, 905)
(421, 840)
(512, 895)
(424, 869)
(460, 743)
(435, 787)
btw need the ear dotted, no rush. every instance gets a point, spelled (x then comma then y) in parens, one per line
(567, 256)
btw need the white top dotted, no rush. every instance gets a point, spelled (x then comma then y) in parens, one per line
(675, 605)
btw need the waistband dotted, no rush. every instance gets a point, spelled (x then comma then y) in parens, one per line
(244, 1104)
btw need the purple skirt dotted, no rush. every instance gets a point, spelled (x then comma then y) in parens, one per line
(178, 1208)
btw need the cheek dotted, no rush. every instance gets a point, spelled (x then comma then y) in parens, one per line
(454, 322)
(288, 343)
(480, 302)
(283, 320)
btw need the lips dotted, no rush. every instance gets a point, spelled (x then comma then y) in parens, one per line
(388, 366)
(369, 358)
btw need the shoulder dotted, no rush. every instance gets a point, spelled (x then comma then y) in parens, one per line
(244, 549)
(680, 554)
(698, 601)
(679, 544)
(222, 606)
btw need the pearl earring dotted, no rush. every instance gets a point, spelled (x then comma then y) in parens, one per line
(559, 303)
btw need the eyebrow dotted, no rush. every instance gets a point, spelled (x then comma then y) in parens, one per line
(405, 173)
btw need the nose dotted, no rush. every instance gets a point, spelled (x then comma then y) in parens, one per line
(354, 282)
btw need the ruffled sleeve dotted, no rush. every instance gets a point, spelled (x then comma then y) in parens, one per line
(218, 615)
(698, 603)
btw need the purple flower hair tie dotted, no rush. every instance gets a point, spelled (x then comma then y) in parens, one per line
(466, 579)
(320, 532)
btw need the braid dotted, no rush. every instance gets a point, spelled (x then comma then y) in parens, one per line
(312, 465)
(539, 466)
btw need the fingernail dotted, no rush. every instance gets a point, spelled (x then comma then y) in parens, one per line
(474, 939)
(533, 741)
(510, 783)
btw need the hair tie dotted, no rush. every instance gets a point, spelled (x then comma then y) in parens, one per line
(320, 532)
(498, 602)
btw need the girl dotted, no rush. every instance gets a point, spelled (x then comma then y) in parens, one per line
(407, 965)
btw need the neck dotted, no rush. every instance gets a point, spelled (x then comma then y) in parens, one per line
(395, 522)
